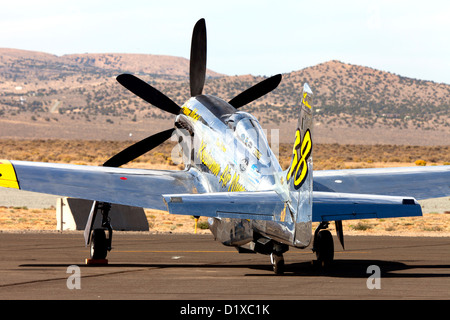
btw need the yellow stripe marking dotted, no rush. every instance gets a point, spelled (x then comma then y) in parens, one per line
(304, 100)
(8, 178)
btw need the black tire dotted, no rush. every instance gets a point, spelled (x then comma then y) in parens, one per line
(99, 248)
(324, 247)
(277, 263)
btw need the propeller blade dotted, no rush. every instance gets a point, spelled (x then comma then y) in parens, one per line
(138, 149)
(255, 92)
(197, 68)
(145, 91)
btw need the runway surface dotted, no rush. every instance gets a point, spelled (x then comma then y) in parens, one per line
(195, 267)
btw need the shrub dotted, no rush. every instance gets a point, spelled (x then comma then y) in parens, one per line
(203, 225)
(420, 162)
(361, 226)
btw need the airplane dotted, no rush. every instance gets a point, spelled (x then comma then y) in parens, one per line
(232, 176)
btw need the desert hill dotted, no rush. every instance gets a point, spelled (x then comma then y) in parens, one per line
(137, 63)
(47, 93)
(23, 63)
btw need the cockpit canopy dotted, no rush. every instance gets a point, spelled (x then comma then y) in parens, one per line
(247, 129)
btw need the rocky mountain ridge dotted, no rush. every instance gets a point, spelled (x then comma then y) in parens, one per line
(44, 87)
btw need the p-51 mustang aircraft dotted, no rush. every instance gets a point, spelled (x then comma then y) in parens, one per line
(232, 176)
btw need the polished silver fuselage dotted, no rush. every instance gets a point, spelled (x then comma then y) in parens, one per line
(228, 151)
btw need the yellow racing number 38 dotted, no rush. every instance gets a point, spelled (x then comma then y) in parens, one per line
(301, 153)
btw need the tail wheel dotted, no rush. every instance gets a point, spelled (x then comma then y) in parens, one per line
(277, 261)
(99, 244)
(324, 247)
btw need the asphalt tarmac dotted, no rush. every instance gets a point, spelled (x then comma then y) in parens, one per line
(51, 265)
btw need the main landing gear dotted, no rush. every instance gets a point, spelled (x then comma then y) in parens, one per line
(323, 242)
(101, 238)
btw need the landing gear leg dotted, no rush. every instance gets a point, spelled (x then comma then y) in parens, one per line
(323, 244)
(100, 243)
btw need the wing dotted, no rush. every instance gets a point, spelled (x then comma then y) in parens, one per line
(133, 187)
(417, 182)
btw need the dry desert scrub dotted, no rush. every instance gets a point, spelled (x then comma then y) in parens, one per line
(430, 224)
(326, 156)
(23, 218)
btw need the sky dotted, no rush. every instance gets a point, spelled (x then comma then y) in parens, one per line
(259, 37)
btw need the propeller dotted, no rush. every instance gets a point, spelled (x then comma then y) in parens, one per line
(146, 92)
(138, 149)
(256, 91)
(197, 67)
(197, 76)
(197, 72)
(153, 96)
